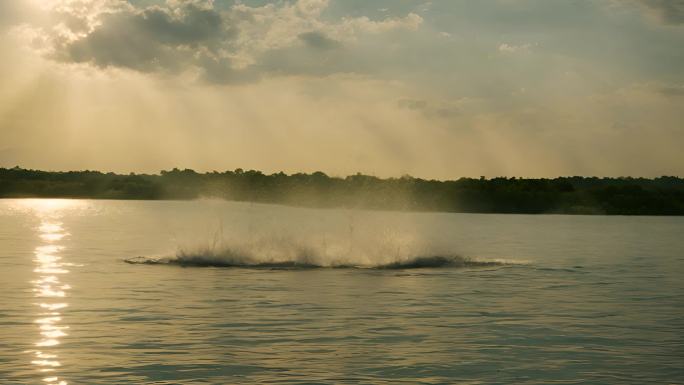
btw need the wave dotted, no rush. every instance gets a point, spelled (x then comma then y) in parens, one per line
(231, 258)
(438, 261)
(210, 261)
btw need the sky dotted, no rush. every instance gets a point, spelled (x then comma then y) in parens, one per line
(435, 89)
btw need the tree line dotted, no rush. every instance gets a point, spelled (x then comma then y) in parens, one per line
(562, 195)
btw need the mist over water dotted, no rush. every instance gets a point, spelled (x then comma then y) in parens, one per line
(265, 294)
(271, 236)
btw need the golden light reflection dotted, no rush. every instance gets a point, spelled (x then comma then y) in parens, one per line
(48, 207)
(53, 306)
(48, 284)
(52, 237)
(54, 380)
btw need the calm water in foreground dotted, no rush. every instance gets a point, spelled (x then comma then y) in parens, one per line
(565, 299)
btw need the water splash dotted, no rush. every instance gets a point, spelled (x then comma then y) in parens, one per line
(310, 258)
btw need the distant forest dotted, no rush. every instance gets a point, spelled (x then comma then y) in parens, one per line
(565, 195)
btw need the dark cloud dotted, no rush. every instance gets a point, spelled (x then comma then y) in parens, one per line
(108, 46)
(195, 26)
(152, 39)
(319, 40)
(668, 11)
(173, 39)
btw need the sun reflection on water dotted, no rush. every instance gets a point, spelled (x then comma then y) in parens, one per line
(48, 285)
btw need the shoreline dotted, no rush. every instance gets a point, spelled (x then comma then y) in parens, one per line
(662, 196)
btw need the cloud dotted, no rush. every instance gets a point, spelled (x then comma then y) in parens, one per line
(411, 22)
(513, 48)
(151, 39)
(225, 45)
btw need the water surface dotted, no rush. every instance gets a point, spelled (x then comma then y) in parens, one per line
(551, 299)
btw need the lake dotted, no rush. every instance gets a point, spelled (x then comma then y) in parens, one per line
(239, 293)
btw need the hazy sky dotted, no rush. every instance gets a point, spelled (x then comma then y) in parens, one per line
(437, 89)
